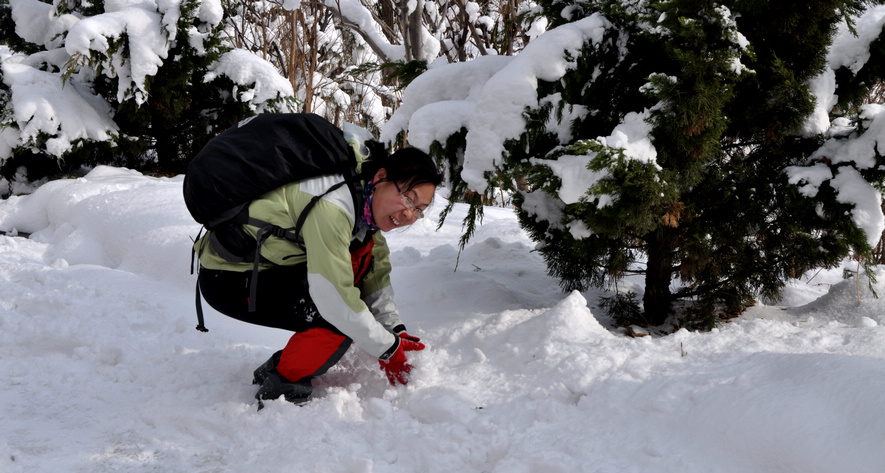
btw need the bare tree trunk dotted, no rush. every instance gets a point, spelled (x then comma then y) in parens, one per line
(659, 270)
(309, 56)
(879, 250)
(415, 32)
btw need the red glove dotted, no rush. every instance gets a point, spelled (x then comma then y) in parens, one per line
(405, 336)
(397, 367)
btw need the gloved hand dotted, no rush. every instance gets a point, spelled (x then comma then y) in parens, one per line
(397, 367)
(405, 336)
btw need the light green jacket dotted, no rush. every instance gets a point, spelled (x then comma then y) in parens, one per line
(367, 313)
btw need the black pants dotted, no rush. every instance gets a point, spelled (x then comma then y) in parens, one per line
(282, 299)
(283, 302)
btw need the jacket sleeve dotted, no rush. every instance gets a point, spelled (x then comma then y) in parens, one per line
(377, 291)
(327, 233)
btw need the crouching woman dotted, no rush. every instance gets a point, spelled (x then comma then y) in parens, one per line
(334, 289)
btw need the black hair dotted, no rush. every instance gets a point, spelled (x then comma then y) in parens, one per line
(409, 165)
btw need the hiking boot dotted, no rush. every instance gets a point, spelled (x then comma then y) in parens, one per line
(276, 385)
(269, 366)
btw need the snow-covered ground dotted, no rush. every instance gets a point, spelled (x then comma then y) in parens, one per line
(104, 370)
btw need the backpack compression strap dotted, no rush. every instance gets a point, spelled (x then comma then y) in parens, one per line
(200, 325)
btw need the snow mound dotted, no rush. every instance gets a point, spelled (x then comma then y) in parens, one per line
(852, 301)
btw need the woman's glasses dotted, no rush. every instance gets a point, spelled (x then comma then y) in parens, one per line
(410, 204)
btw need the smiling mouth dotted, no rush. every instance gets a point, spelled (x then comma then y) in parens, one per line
(395, 221)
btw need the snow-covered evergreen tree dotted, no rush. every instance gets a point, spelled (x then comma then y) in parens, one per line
(717, 147)
(135, 83)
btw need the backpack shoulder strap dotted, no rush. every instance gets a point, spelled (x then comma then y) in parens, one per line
(265, 230)
(355, 187)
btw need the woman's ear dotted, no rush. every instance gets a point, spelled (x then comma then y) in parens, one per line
(380, 175)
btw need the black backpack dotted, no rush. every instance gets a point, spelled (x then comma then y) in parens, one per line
(260, 154)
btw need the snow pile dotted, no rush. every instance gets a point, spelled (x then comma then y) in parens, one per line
(105, 371)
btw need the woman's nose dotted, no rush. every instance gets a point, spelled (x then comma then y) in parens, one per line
(409, 215)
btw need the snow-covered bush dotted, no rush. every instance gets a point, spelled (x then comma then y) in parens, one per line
(135, 83)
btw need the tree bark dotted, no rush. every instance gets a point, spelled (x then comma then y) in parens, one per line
(412, 29)
(657, 297)
(167, 151)
(416, 32)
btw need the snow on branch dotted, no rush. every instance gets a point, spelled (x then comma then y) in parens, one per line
(356, 16)
(243, 67)
(43, 105)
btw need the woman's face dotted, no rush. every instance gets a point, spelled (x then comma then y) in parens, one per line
(389, 206)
